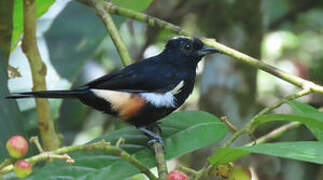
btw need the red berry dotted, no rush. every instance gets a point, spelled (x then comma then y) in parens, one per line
(17, 146)
(22, 168)
(177, 175)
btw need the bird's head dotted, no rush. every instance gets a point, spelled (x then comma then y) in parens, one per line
(191, 49)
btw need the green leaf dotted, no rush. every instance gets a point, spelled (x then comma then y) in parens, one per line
(301, 108)
(182, 132)
(226, 155)
(309, 151)
(312, 120)
(70, 43)
(304, 108)
(137, 5)
(42, 7)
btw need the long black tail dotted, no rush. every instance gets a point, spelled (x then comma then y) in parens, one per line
(49, 94)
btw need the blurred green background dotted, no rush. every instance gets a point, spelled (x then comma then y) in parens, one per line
(76, 48)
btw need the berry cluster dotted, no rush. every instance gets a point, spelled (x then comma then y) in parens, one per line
(17, 147)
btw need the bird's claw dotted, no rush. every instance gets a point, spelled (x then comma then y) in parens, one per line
(157, 140)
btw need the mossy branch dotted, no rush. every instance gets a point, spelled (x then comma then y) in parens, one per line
(101, 146)
(38, 70)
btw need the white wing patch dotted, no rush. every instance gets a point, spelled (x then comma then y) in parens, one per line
(160, 100)
(163, 99)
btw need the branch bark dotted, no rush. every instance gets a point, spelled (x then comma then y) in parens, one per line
(38, 71)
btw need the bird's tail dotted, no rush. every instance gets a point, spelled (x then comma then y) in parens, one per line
(49, 94)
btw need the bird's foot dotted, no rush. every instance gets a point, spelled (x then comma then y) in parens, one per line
(155, 137)
(157, 140)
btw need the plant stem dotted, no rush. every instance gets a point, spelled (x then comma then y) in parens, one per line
(35, 140)
(38, 71)
(248, 128)
(226, 121)
(160, 157)
(97, 146)
(295, 80)
(99, 6)
(188, 170)
(6, 162)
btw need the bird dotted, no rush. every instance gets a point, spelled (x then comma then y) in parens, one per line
(144, 92)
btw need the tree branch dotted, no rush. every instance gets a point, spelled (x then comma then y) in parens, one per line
(99, 6)
(38, 71)
(101, 146)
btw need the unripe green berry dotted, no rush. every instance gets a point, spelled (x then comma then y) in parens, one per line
(17, 146)
(22, 168)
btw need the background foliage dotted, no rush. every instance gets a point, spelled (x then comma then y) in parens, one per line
(76, 48)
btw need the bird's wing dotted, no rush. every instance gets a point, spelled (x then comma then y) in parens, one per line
(138, 78)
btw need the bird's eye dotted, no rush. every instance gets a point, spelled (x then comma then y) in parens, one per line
(187, 46)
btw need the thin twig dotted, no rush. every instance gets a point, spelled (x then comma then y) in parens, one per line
(226, 121)
(113, 31)
(38, 72)
(187, 170)
(35, 140)
(101, 146)
(249, 127)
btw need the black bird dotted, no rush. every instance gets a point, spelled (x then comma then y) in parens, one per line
(144, 92)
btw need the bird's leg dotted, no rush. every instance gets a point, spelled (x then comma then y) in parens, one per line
(155, 137)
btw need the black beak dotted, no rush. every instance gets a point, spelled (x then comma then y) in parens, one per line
(208, 50)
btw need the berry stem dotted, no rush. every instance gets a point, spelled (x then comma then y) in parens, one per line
(35, 140)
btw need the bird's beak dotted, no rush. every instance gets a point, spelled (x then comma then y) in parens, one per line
(208, 50)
